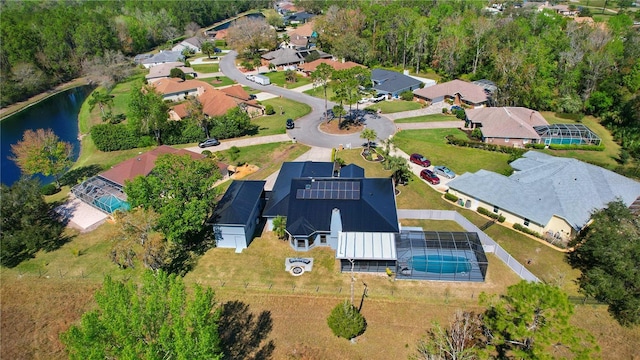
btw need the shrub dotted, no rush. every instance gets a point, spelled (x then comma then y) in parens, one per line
(476, 134)
(268, 109)
(450, 197)
(407, 96)
(234, 153)
(527, 231)
(346, 321)
(333, 154)
(445, 110)
(460, 114)
(109, 137)
(490, 214)
(207, 153)
(49, 189)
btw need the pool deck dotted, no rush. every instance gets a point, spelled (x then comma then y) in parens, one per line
(80, 215)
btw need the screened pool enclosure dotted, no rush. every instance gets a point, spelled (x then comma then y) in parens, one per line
(102, 194)
(446, 256)
(566, 134)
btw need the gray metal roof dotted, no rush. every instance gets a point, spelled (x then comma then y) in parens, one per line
(164, 57)
(544, 186)
(238, 203)
(391, 81)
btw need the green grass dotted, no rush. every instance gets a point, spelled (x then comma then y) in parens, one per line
(319, 92)
(277, 78)
(206, 68)
(275, 124)
(428, 118)
(394, 106)
(121, 93)
(433, 145)
(223, 81)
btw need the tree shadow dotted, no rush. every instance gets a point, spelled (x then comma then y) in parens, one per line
(242, 333)
(75, 176)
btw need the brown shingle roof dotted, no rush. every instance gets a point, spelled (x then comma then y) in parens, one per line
(236, 91)
(305, 30)
(469, 92)
(176, 85)
(143, 164)
(337, 65)
(507, 122)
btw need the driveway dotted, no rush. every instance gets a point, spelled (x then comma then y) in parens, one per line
(307, 127)
(416, 169)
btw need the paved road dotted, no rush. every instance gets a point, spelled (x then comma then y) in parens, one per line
(306, 130)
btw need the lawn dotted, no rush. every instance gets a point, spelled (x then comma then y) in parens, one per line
(394, 106)
(218, 81)
(264, 156)
(319, 92)
(433, 145)
(285, 109)
(428, 118)
(277, 78)
(206, 68)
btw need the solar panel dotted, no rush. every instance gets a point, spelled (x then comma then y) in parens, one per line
(330, 190)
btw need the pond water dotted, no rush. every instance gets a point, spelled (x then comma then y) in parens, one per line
(228, 23)
(58, 113)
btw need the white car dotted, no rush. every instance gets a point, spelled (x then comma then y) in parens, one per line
(363, 100)
(379, 97)
(251, 77)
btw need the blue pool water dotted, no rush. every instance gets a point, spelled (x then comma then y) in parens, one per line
(565, 141)
(443, 264)
(110, 203)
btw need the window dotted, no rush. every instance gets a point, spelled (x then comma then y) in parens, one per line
(506, 140)
(323, 239)
(496, 209)
(526, 222)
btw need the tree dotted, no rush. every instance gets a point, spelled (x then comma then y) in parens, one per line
(400, 169)
(345, 321)
(147, 111)
(137, 237)
(321, 77)
(195, 112)
(180, 190)
(177, 73)
(41, 151)
(339, 111)
(208, 48)
(236, 122)
(290, 76)
(462, 340)
(605, 252)
(152, 321)
(248, 35)
(101, 99)
(26, 223)
(529, 320)
(280, 226)
(369, 135)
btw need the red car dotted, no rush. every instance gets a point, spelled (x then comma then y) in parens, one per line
(420, 160)
(430, 177)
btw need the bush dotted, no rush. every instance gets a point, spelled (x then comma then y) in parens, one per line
(268, 109)
(345, 321)
(109, 137)
(49, 189)
(207, 153)
(484, 146)
(526, 230)
(490, 214)
(461, 114)
(407, 96)
(234, 153)
(450, 197)
(445, 110)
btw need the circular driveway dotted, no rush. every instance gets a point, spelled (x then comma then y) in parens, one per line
(307, 129)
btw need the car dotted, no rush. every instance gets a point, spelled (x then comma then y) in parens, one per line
(290, 124)
(420, 160)
(456, 108)
(444, 171)
(252, 96)
(251, 77)
(363, 100)
(209, 142)
(378, 98)
(430, 177)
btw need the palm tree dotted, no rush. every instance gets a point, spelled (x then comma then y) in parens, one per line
(369, 135)
(321, 77)
(208, 48)
(101, 99)
(400, 169)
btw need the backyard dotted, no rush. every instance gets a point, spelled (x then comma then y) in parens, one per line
(394, 106)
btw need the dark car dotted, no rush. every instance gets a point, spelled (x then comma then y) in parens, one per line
(430, 177)
(420, 160)
(456, 108)
(209, 142)
(290, 124)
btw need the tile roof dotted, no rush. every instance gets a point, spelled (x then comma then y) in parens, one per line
(305, 30)
(164, 70)
(238, 203)
(170, 86)
(470, 92)
(236, 91)
(337, 65)
(142, 164)
(544, 186)
(507, 122)
(392, 81)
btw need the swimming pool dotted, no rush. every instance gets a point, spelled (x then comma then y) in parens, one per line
(110, 203)
(443, 264)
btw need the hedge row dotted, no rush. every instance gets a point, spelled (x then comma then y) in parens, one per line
(450, 197)
(490, 214)
(526, 230)
(484, 146)
(108, 137)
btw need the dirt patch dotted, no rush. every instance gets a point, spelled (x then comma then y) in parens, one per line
(347, 127)
(240, 172)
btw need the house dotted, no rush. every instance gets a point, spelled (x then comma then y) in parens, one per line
(164, 71)
(215, 102)
(237, 215)
(105, 191)
(298, 18)
(163, 57)
(552, 196)
(291, 57)
(458, 91)
(193, 44)
(308, 68)
(286, 7)
(221, 34)
(508, 126)
(392, 84)
(302, 37)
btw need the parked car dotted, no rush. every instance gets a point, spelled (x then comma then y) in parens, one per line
(363, 100)
(420, 160)
(209, 142)
(378, 98)
(290, 124)
(444, 171)
(456, 108)
(251, 77)
(430, 177)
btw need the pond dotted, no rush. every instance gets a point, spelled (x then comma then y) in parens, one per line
(228, 23)
(58, 113)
